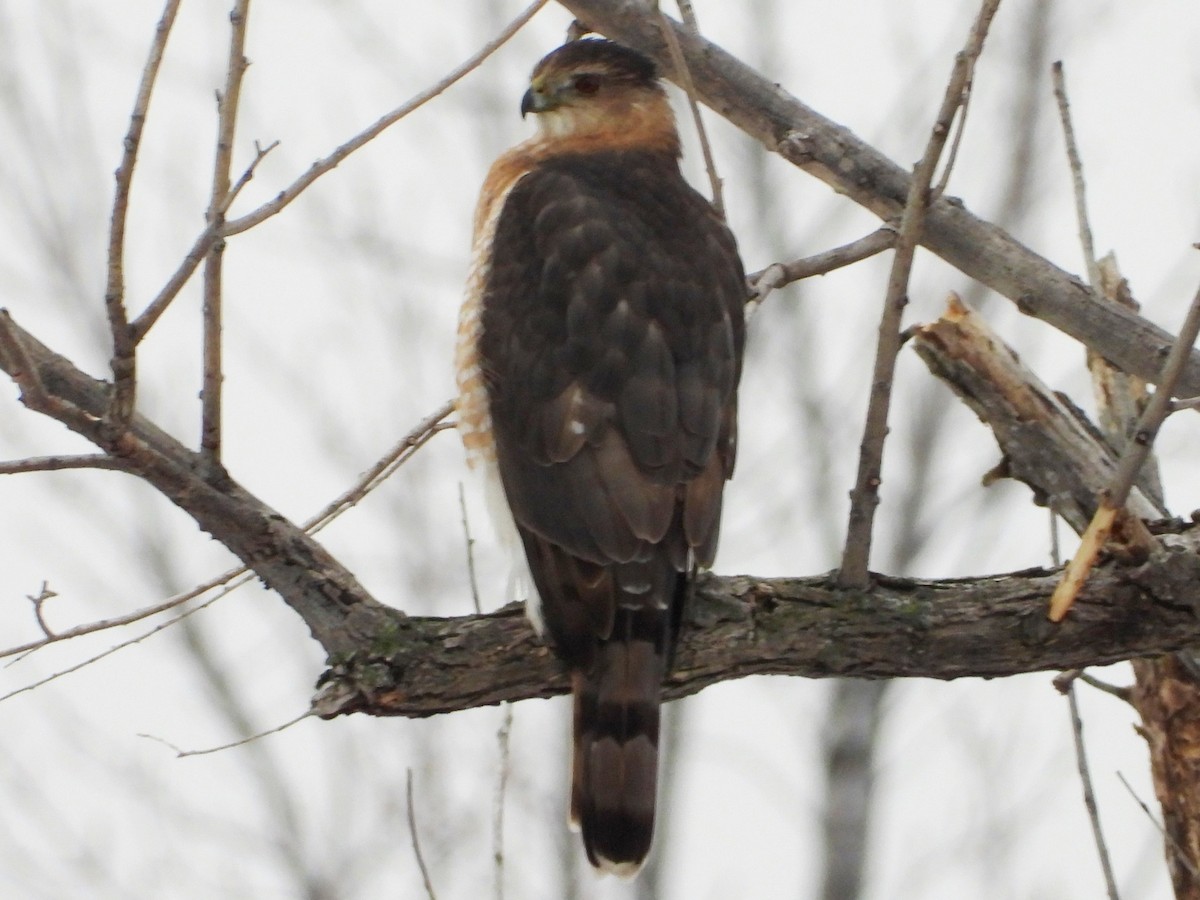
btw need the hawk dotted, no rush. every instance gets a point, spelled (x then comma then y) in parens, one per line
(599, 352)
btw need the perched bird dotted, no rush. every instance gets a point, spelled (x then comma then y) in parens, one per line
(599, 353)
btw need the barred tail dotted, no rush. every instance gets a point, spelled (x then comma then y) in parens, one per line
(614, 775)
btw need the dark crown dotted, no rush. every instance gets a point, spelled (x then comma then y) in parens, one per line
(601, 55)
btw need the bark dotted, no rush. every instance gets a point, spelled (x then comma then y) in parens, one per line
(1165, 696)
(736, 626)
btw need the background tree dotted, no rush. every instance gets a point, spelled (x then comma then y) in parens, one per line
(338, 322)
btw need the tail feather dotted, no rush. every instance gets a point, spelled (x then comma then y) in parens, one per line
(617, 710)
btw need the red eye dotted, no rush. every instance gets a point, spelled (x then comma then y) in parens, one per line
(587, 83)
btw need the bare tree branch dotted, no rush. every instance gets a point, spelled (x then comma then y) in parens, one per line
(199, 249)
(59, 463)
(836, 156)
(124, 364)
(1114, 495)
(777, 275)
(1089, 795)
(864, 496)
(1087, 245)
(330, 162)
(228, 101)
(743, 625)
(322, 591)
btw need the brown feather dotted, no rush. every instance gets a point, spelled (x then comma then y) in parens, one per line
(607, 331)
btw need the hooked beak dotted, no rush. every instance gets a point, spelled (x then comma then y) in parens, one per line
(536, 101)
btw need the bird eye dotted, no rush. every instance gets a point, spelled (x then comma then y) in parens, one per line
(587, 83)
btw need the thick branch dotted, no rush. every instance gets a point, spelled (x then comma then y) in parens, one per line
(336, 608)
(738, 626)
(833, 154)
(1046, 442)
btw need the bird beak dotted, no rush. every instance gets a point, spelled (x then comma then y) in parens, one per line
(538, 99)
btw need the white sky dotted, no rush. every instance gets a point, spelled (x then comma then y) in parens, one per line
(339, 335)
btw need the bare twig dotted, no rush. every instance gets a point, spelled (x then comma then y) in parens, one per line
(685, 81)
(1089, 796)
(412, 830)
(143, 323)
(39, 602)
(181, 753)
(502, 738)
(1085, 229)
(777, 275)
(235, 578)
(60, 463)
(227, 112)
(462, 506)
(865, 495)
(107, 652)
(1176, 850)
(1189, 403)
(830, 153)
(1113, 498)
(322, 166)
(400, 453)
(960, 128)
(1113, 690)
(124, 363)
(1063, 681)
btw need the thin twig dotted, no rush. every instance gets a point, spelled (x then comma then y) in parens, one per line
(865, 495)
(400, 453)
(110, 650)
(502, 738)
(1113, 690)
(235, 578)
(200, 247)
(777, 275)
(960, 129)
(412, 830)
(181, 753)
(1189, 403)
(124, 362)
(60, 463)
(39, 603)
(1113, 498)
(1180, 855)
(684, 76)
(322, 166)
(466, 524)
(1063, 681)
(1089, 797)
(1081, 214)
(227, 112)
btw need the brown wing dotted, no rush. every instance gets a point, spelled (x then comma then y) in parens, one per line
(611, 345)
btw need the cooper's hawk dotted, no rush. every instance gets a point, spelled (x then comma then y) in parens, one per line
(599, 353)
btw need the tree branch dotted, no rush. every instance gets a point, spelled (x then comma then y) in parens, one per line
(124, 362)
(864, 497)
(836, 156)
(336, 608)
(738, 626)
